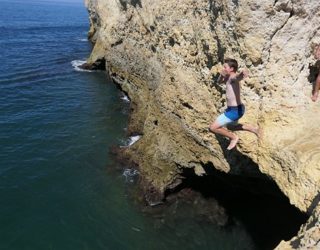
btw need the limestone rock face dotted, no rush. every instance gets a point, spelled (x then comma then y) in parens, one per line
(167, 54)
(308, 236)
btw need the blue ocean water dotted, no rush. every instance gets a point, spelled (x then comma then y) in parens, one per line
(57, 124)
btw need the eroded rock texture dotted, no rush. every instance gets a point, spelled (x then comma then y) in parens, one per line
(166, 56)
(308, 236)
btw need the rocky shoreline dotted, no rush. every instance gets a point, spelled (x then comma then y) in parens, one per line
(166, 54)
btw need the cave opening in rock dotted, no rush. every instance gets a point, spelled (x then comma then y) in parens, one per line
(257, 203)
(99, 64)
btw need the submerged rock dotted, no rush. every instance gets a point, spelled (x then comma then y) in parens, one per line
(166, 55)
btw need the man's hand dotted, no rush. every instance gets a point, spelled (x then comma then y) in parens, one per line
(245, 73)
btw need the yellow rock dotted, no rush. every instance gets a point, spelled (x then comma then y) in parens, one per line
(166, 56)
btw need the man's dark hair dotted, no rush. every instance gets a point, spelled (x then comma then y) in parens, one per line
(232, 63)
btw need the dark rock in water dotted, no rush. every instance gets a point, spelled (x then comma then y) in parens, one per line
(100, 64)
(188, 204)
(204, 209)
(152, 196)
(86, 66)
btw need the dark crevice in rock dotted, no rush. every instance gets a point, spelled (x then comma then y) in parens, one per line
(187, 105)
(208, 55)
(117, 79)
(280, 28)
(154, 50)
(196, 12)
(123, 4)
(284, 6)
(295, 244)
(313, 72)
(134, 3)
(177, 115)
(258, 62)
(314, 203)
(220, 49)
(236, 2)
(117, 43)
(215, 9)
(291, 13)
(171, 41)
(256, 202)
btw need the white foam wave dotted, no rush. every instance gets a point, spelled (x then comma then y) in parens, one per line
(134, 139)
(130, 141)
(125, 98)
(83, 39)
(76, 65)
(130, 174)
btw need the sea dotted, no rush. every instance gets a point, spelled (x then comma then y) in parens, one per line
(58, 124)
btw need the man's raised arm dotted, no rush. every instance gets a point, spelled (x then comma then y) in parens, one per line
(243, 74)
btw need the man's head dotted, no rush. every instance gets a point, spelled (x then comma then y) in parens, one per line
(230, 65)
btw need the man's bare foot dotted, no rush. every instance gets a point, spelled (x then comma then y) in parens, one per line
(314, 97)
(233, 143)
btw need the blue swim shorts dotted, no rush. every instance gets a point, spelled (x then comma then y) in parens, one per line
(231, 115)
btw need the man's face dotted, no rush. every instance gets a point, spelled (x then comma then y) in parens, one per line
(317, 52)
(227, 69)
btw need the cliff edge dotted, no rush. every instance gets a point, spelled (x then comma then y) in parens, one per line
(167, 54)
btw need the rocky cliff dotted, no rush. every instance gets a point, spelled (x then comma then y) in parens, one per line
(167, 54)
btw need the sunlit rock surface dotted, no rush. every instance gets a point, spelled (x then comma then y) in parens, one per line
(167, 54)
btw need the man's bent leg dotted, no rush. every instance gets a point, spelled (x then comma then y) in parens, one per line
(218, 129)
(248, 127)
